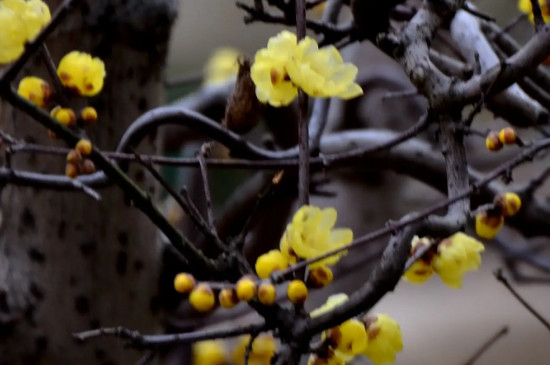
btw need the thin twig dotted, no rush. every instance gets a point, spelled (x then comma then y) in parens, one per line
(500, 277)
(490, 342)
(303, 123)
(537, 15)
(50, 66)
(135, 339)
(147, 357)
(206, 185)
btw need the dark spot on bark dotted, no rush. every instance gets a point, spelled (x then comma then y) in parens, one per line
(27, 218)
(142, 104)
(140, 176)
(138, 265)
(95, 323)
(122, 238)
(154, 304)
(82, 304)
(88, 247)
(41, 343)
(73, 281)
(36, 291)
(61, 230)
(100, 354)
(36, 256)
(121, 262)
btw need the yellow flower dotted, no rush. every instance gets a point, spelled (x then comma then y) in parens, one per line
(422, 269)
(262, 350)
(245, 289)
(455, 256)
(221, 66)
(332, 302)
(311, 234)
(21, 21)
(297, 291)
(202, 298)
(322, 73)
(269, 262)
(525, 7)
(82, 73)
(269, 72)
(350, 337)
(385, 339)
(510, 203)
(209, 352)
(488, 225)
(35, 90)
(319, 276)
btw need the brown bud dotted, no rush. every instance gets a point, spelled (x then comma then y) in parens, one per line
(74, 157)
(87, 167)
(244, 110)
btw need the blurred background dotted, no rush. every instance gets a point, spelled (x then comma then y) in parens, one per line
(440, 325)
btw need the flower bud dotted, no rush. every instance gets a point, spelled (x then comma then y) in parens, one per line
(269, 262)
(228, 298)
(84, 147)
(74, 157)
(71, 170)
(297, 291)
(87, 167)
(246, 289)
(507, 136)
(202, 298)
(319, 276)
(65, 116)
(488, 225)
(35, 90)
(184, 282)
(492, 142)
(509, 202)
(267, 294)
(88, 115)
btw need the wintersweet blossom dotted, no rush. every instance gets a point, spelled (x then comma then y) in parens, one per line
(525, 7)
(269, 72)
(286, 65)
(421, 270)
(262, 350)
(322, 73)
(35, 90)
(385, 339)
(82, 73)
(209, 352)
(456, 256)
(21, 21)
(311, 234)
(221, 66)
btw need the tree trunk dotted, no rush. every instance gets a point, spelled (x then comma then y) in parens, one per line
(68, 263)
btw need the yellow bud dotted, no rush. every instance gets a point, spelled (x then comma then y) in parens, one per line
(88, 115)
(184, 282)
(228, 298)
(350, 337)
(84, 147)
(319, 276)
(510, 203)
(202, 298)
(74, 157)
(507, 136)
(492, 142)
(64, 116)
(71, 170)
(267, 293)
(487, 226)
(246, 289)
(269, 262)
(297, 291)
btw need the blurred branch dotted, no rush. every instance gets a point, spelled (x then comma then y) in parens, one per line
(500, 277)
(490, 342)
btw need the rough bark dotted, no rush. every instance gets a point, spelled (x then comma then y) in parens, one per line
(68, 263)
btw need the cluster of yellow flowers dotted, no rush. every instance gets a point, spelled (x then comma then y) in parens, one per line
(489, 222)
(286, 65)
(76, 161)
(214, 352)
(453, 257)
(526, 8)
(377, 337)
(21, 21)
(506, 136)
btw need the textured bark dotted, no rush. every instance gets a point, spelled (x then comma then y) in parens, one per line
(68, 263)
